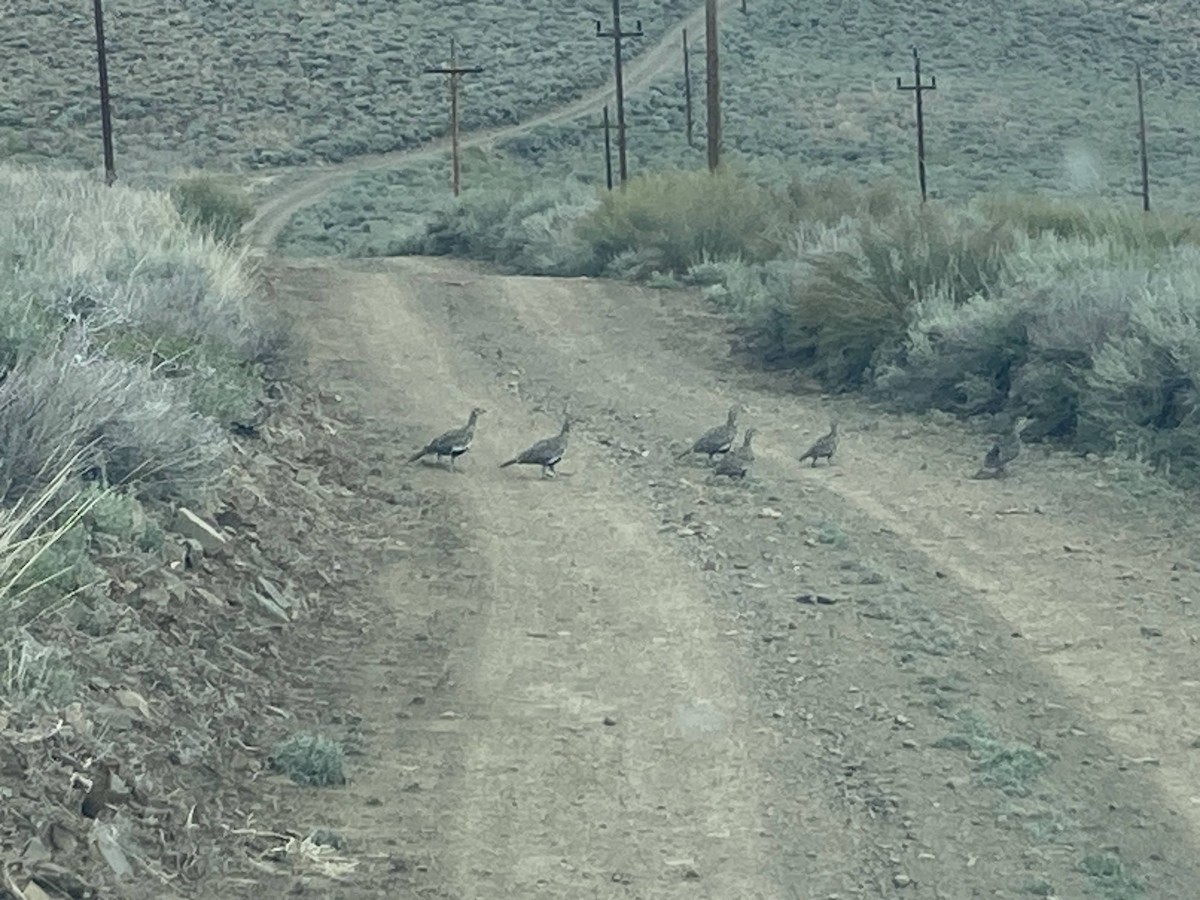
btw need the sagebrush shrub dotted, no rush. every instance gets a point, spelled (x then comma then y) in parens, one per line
(682, 218)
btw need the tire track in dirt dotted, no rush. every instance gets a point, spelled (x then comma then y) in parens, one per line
(1128, 691)
(273, 213)
(574, 608)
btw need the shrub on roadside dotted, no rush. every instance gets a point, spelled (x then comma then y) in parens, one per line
(530, 231)
(215, 209)
(678, 219)
(141, 427)
(847, 292)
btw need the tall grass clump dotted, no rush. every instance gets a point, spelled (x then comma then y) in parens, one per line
(208, 205)
(670, 221)
(1070, 219)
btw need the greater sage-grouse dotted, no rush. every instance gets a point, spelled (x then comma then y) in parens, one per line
(546, 453)
(824, 448)
(454, 443)
(737, 462)
(1004, 451)
(719, 439)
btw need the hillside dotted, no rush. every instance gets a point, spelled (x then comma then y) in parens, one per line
(240, 86)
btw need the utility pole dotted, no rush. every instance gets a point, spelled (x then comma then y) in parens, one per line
(1142, 141)
(608, 167)
(110, 168)
(713, 99)
(616, 34)
(455, 71)
(918, 87)
(687, 88)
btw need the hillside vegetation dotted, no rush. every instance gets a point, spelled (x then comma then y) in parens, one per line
(129, 343)
(288, 82)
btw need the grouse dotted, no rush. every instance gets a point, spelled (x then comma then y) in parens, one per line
(825, 447)
(717, 440)
(1003, 451)
(453, 443)
(546, 453)
(736, 463)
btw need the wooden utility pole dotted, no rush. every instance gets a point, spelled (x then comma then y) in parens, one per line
(455, 71)
(687, 88)
(110, 168)
(1142, 141)
(918, 87)
(616, 34)
(713, 98)
(608, 167)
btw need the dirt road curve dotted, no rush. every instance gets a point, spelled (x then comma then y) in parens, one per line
(995, 696)
(306, 186)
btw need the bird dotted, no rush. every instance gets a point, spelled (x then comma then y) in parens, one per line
(717, 440)
(453, 443)
(824, 447)
(546, 453)
(737, 462)
(1003, 451)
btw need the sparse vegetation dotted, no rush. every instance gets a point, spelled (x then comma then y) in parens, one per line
(1011, 767)
(1111, 876)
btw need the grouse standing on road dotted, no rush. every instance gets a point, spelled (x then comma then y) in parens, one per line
(1003, 451)
(825, 447)
(717, 440)
(454, 443)
(545, 453)
(736, 463)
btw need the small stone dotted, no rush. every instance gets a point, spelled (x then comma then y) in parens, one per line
(609, 720)
(901, 880)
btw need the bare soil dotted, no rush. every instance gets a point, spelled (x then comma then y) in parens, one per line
(877, 678)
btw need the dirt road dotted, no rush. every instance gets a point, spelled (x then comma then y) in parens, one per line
(876, 679)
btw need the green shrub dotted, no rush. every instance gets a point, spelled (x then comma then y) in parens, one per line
(309, 759)
(681, 218)
(216, 209)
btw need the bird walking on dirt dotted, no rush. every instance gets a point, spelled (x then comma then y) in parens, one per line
(546, 453)
(1003, 451)
(717, 440)
(824, 448)
(736, 463)
(454, 443)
